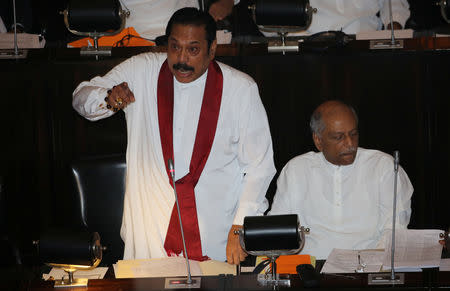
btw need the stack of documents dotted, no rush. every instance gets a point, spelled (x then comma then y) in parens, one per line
(170, 267)
(24, 41)
(384, 34)
(445, 265)
(346, 261)
(164, 267)
(60, 274)
(414, 250)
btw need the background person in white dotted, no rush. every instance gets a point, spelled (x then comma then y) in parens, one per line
(343, 193)
(353, 16)
(2, 26)
(149, 17)
(240, 166)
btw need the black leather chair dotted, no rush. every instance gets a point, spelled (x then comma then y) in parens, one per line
(100, 186)
(9, 251)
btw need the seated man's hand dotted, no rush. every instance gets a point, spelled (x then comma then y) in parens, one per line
(221, 9)
(444, 243)
(119, 97)
(395, 24)
(235, 254)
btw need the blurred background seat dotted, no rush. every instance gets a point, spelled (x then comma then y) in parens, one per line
(100, 187)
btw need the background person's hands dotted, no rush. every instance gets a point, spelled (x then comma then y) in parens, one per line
(221, 9)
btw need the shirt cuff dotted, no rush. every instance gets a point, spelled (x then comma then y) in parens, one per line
(249, 210)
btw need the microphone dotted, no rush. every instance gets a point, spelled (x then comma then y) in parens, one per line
(172, 174)
(396, 160)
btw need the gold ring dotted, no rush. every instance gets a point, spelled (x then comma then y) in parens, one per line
(119, 101)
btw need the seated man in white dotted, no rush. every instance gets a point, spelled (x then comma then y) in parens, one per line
(354, 16)
(149, 17)
(343, 193)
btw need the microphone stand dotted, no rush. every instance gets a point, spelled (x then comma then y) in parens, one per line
(15, 54)
(392, 30)
(386, 44)
(374, 279)
(201, 4)
(396, 162)
(176, 283)
(16, 49)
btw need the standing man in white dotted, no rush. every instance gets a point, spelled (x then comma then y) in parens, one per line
(343, 193)
(208, 118)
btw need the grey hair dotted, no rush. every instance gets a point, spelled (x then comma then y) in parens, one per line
(316, 122)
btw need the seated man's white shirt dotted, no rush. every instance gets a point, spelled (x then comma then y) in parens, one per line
(150, 17)
(346, 207)
(237, 173)
(2, 26)
(353, 16)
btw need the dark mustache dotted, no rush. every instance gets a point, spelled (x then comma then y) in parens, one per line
(349, 151)
(182, 66)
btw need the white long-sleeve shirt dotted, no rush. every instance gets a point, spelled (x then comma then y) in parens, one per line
(353, 16)
(347, 207)
(149, 17)
(2, 26)
(236, 176)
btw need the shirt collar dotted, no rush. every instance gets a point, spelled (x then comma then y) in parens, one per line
(199, 81)
(332, 167)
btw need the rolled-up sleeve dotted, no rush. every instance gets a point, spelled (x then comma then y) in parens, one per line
(89, 97)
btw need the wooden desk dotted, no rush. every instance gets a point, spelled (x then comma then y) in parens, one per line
(427, 280)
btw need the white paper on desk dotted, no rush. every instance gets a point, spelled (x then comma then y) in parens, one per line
(223, 37)
(445, 265)
(163, 267)
(58, 274)
(24, 40)
(414, 249)
(346, 261)
(384, 34)
(215, 268)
